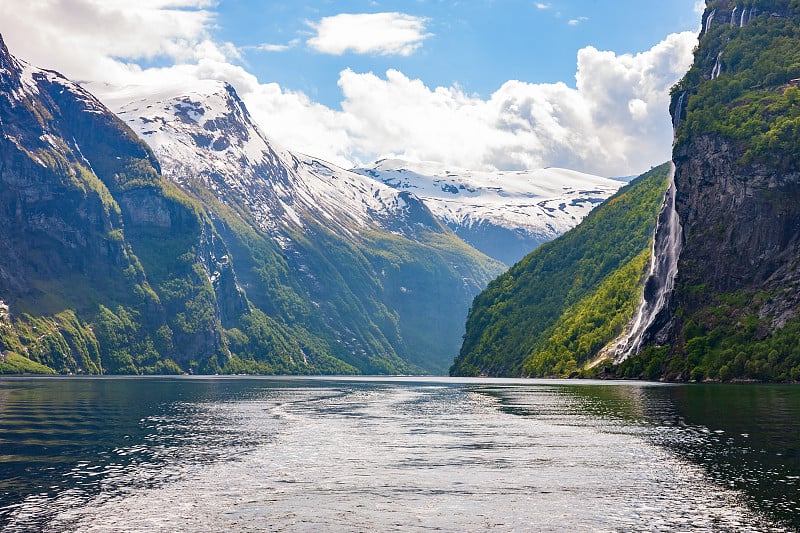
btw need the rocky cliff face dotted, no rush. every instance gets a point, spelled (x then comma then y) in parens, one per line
(80, 204)
(741, 222)
(733, 313)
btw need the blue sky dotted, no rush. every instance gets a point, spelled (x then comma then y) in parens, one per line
(477, 45)
(483, 84)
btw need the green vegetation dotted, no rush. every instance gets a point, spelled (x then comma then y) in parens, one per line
(755, 100)
(589, 325)
(557, 307)
(12, 363)
(110, 268)
(717, 348)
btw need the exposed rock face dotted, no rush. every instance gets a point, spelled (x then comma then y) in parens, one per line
(252, 259)
(383, 273)
(90, 263)
(741, 222)
(735, 309)
(741, 215)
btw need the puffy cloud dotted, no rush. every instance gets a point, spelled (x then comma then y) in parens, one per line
(614, 122)
(369, 33)
(85, 38)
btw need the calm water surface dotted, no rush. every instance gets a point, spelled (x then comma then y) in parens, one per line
(237, 454)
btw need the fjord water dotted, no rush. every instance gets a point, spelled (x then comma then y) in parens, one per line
(228, 454)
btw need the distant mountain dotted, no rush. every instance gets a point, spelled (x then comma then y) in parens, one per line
(247, 259)
(552, 313)
(503, 214)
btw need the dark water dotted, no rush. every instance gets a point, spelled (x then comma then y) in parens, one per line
(236, 454)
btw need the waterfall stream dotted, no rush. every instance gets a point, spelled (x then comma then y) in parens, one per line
(676, 118)
(715, 72)
(660, 281)
(708, 21)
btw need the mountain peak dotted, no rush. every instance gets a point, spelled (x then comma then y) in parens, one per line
(7, 61)
(4, 53)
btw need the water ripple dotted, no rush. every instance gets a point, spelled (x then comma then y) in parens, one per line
(357, 456)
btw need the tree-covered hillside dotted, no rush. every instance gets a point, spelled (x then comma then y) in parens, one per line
(108, 266)
(553, 311)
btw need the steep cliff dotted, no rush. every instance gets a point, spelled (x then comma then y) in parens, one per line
(100, 269)
(372, 271)
(734, 311)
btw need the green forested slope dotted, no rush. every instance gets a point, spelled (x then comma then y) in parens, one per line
(557, 307)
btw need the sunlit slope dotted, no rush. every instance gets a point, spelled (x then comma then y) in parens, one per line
(553, 311)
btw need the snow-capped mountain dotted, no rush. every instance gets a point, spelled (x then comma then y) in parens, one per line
(207, 135)
(380, 270)
(503, 214)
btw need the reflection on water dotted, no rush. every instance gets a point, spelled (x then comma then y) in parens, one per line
(346, 455)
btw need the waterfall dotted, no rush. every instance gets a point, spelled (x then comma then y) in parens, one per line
(733, 16)
(715, 72)
(667, 242)
(709, 18)
(742, 19)
(676, 117)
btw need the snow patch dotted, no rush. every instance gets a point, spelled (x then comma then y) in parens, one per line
(544, 202)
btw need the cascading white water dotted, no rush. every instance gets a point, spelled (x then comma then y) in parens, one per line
(733, 16)
(708, 21)
(715, 72)
(676, 118)
(660, 281)
(743, 18)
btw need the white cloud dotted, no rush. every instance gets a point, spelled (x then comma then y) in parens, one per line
(82, 38)
(369, 33)
(272, 47)
(266, 47)
(576, 21)
(613, 122)
(541, 5)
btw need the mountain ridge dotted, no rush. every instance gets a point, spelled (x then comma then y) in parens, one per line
(504, 214)
(732, 310)
(540, 318)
